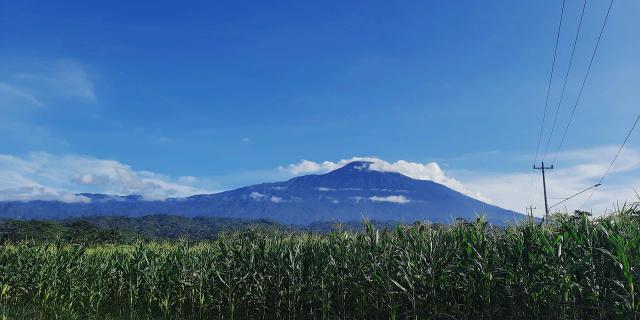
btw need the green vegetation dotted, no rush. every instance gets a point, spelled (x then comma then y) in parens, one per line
(119, 229)
(116, 229)
(76, 231)
(170, 227)
(572, 267)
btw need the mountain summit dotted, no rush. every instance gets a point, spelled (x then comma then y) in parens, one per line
(355, 191)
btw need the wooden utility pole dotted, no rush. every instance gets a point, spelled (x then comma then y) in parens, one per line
(544, 186)
(529, 210)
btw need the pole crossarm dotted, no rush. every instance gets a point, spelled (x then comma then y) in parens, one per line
(529, 210)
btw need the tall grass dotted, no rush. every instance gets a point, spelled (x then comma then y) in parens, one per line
(574, 267)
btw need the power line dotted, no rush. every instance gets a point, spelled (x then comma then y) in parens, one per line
(575, 195)
(546, 103)
(614, 158)
(566, 78)
(584, 81)
(553, 65)
(620, 150)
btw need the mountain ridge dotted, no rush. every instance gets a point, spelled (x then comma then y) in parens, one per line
(352, 192)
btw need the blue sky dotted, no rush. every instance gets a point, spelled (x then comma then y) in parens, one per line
(207, 96)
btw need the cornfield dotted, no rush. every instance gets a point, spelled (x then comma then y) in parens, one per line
(572, 267)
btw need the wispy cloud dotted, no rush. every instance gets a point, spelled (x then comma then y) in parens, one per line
(44, 83)
(257, 196)
(30, 87)
(393, 199)
(11, 95)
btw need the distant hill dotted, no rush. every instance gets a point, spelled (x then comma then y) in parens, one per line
(351, 193)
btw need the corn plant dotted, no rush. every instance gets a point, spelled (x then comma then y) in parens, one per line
(572, 267)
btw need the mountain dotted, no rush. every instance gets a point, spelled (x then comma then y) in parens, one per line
(351, 193)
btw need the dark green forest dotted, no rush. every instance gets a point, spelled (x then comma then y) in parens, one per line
(120, 229)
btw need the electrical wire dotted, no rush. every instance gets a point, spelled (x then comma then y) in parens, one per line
(614, 159)
(575, 195)
(584, 81)
(553, 65)
(546, 103)
(566, 78)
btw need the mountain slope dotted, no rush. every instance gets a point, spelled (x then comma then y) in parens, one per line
(353, 192)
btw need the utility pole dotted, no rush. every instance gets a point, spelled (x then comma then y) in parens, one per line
(529, 210)
(544, 186)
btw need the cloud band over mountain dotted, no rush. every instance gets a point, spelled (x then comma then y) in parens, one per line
(44, 176)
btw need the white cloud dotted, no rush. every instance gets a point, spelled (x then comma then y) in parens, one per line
(58, 79)
(187, 179)
(306, 166)
(422, 171)
(91, 179)
(28, 87)
(44, 176)
(11, 95)
(575, 171)
(257, 196)
(25, 83)
(39, 193)
(393, 199)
